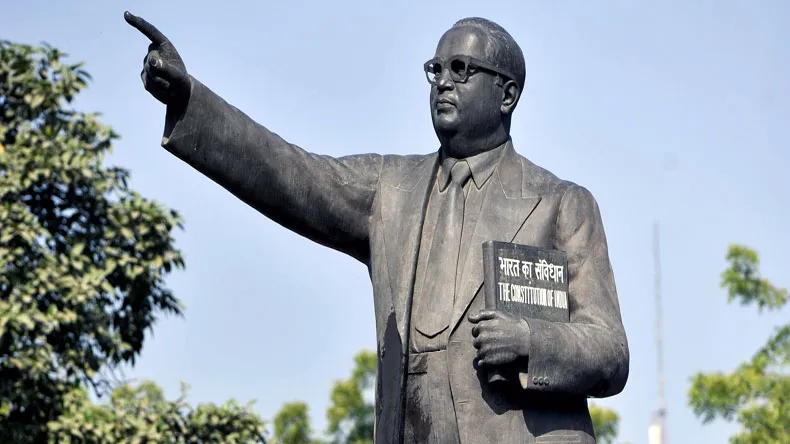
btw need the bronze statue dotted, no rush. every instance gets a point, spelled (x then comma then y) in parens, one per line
(418, 222)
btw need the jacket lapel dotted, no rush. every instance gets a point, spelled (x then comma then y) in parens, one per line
(403, 212)
(507, 203)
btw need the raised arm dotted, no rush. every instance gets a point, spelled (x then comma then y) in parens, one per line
(322, 198)
(588, 356)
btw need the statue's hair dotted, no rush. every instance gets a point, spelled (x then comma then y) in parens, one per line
(507, 54)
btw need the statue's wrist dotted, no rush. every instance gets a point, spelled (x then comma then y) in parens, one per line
(175, 112)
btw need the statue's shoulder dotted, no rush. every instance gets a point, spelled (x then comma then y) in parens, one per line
(406, 170)
(545, 183)
(406, 161)
(391, 169)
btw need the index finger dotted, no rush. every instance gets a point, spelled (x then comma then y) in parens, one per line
(146, 28)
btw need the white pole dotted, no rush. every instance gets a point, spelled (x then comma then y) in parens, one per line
(656, 433)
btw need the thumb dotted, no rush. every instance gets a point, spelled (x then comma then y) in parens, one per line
(482, 316)
(175, 76)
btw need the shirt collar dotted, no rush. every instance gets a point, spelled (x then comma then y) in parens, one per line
(482, 166)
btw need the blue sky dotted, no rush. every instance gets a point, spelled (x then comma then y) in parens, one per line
(675, 111)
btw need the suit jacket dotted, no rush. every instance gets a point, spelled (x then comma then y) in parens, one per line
(372, 206)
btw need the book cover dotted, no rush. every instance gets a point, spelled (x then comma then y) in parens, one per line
(528, 282)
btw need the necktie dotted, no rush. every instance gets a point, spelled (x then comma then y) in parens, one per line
(434, 304)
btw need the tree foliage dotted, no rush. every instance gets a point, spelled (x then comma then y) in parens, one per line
(292, 425)
(349, 416)
(142, 414)
(83, 259)
(757, 393)
(606, 423)
(351, 413)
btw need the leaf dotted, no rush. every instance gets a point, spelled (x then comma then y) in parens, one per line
(77, 249)
(126, 232)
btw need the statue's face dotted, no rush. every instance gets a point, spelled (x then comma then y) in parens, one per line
(472, 106)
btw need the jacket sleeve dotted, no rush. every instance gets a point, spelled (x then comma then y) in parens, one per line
(325, 199)
(589, 355)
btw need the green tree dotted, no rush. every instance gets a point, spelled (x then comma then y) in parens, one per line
(292, 425)
(350, 414)
(142, 414)
(606, 423)
(757, 393)
(82, 262)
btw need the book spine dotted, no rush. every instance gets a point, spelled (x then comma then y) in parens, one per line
(489, 275)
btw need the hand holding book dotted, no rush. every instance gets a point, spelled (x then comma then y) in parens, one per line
(500, 338)
(521, 282)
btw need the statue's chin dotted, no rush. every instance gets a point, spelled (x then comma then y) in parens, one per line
(445, 124)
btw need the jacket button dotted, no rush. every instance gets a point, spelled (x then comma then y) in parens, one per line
(545, 381)
(535, 380)
(540, 380)
(497, 399)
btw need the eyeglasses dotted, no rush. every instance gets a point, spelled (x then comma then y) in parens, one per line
(460, 67)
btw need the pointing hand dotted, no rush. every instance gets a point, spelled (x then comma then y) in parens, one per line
(164, 74)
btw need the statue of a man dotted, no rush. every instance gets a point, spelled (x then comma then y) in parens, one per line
(417, 223)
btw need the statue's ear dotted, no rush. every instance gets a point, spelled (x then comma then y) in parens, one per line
(510, 95)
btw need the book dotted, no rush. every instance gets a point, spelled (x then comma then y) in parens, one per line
(527, 282)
